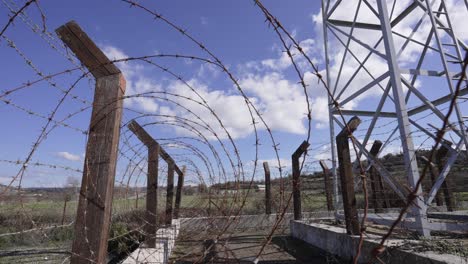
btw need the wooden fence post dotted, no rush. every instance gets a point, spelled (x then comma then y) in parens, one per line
(169, 192)
(434, 172)
(440, 158)
(296, 179)
(95, 202)
(178, 198)
(152, 195)
(386, 200)
(376, 181)
(266, 168)
(66, 199)
(346, 176)
(328, 185)
(136, 200)
(151, 213)
(149, 141)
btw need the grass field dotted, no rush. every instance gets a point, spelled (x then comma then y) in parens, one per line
(54, 209)
(39, 224)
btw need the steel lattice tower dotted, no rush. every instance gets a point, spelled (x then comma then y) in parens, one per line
(396, 65)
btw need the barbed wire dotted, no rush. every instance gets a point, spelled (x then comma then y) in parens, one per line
(203, 142)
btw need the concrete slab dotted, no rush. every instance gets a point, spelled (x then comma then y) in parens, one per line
(207, 240)
(240, 246)
(335, 240)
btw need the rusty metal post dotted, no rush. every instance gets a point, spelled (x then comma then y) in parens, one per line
(266, 168)
(178, 198)
(296, 179)
(95, 202)
(169, 192)
(346, 176)
(328, 185)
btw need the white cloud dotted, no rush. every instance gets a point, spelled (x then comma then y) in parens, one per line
(323, 153)
(274, 165)
(282, 61)
(68, 156)
(269, 84)
(137, 83)
(231, 109)
(281, 102)
(207, 71)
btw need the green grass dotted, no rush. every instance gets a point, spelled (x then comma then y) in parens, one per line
(15, 217)
(52, 211)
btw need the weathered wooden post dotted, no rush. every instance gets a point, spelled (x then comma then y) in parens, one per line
(384, 193)
(266, 168)
(440, 158)
(296, 179)
(155, 151)
(95, 202)
(178, 198)
(150, 226)
(434, 172)
(152, 195)
(67, 198)
(136, 200)
(169, 192)
(376, 181)
(346, 176)
(328, 185)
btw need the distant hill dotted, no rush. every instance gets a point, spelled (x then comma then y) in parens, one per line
(394, 163)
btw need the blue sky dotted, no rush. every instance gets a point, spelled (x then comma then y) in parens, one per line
(235, 31)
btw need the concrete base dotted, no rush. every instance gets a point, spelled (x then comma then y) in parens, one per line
(245, 222)
(335, 241)
(446, 221)
(165, 242)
